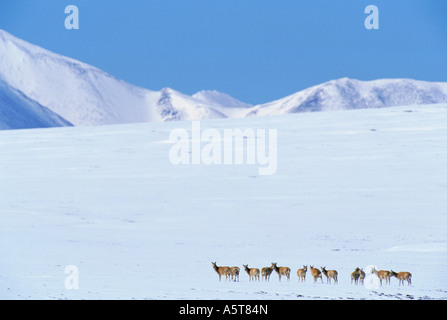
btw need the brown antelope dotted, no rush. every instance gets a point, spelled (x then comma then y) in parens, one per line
(330, 274)
(266, 272)
(222, 271)
(402, 276)
(282, 271)
(382, 274)
(362, 276)
(355, 276)
(235, 273)
(253, 273)
(316, 274)
(301, 273)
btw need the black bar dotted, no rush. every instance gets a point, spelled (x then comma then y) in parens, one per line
(227, 309)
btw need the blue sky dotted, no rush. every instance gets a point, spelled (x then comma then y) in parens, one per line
(254, 50)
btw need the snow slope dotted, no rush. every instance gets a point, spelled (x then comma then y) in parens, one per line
(346, 94)
(353, 188)
(228, 105)
(85, 95)
(216, 98)
(82, 94)
(17, 111)
(173, 105)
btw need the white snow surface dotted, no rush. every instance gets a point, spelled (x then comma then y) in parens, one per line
(17, 111)
(353, 189)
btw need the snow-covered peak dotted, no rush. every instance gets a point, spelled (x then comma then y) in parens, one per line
(174, 105)
(19, 48)
(214, 97)
(346, 93)
(80, 93)
(86, 95)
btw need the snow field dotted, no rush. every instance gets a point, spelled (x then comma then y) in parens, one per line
(352, 189)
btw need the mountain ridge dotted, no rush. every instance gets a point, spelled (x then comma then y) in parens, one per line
(347, 93)
(17, 111)
(82, 94)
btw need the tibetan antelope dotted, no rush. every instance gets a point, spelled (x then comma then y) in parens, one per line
(362, 276)
(282, 271)
(301, 273)
(253, 273)
(235, 273)
(382, 274)
(330, 274)
(402, 276)
(355, 276)
(222, 271)
(358, 276)
(266, 272)
(316, 274)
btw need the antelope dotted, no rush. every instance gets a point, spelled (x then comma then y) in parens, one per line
(402, 276)
(330, 274)
(235, 273)
(355, 276)
(253, 273)
(222, 271)
(282, 271)
(316, 274)
(362, 276)
(301, 273)
(266, 272)
(382, 274)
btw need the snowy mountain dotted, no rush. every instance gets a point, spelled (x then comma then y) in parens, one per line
(226, 104)
(80, 93)
(173, 105)
(346, 94)
(216, 98)
(85, 95)
(17, 111)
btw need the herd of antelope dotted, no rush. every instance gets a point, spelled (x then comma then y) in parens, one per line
(358, 276)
